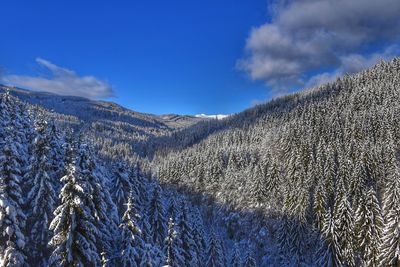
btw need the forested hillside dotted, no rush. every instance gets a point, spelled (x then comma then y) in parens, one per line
(325, 161)
(61, 205)
(309, 179)
(115, 130)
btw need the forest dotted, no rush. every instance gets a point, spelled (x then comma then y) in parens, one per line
(307, 179)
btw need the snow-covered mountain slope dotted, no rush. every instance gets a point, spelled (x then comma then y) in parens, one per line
(90, 110)
(217, 116)
(309, 179)
(123, 130)
(61, 205)
(325, 161)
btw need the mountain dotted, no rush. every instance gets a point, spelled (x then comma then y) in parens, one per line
(308, 179)
(321, 160)
(120, 128)
(217, 117)
(88, 110)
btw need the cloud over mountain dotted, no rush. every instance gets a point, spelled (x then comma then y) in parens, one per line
(62, 81)
(304, 37)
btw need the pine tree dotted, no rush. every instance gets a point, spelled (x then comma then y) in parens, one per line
(284, 238)
(249, 261)
(100, 202)
(173, 210)
(173, 247)
(132, 244)
(121, 185)
(329, 252)
(272, 179)
(369, 225)
(147, 257)
(41, 197)
(157, 218)
(189, 247)
(215, 253)
(236, 257)
(199, 234)
(75, 232)
(390, 249)
(12, 218)
(258, 188)
(298, 240)
(137, 180)
(319, 206)
(344, 220)
(57, 154)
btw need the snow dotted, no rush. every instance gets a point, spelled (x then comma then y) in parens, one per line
(216, 116)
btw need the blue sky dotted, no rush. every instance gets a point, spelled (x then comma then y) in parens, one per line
(159, 56)
(191, 57)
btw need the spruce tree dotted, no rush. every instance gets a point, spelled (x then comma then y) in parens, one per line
(147, 259)
(199, 235)
(344, 220)
(121, 185)
(74, 225)
(189, 246)
(249, 261)
(173, 208)
(319, 205)
(41, 198)
(390, 249)
(157, 218)
(369, 223)
(12, 218)
(215, 253)
(236, 260)
(132, 244)
(284, 238)
(329, 251)
(258, 187)
(173, 245)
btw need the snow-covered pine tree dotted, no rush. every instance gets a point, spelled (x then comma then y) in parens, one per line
(215, 254)
(329, 252)
(121, 185)
(41, 198)
(57, 153)
(272, 178)
(12, 218)
(173, 207)
(258, 188)
(236, 260)
(157, 219)
(390, 248)
(284, 238)
(319, 205)
(148, 259)
(199, 233)
(369, 223)
(146, 229)
(135, 180)
(173, 246)
(131, 241)
(75, 232)
(344, 221)
(249, 261)
(100, 203)
(189, 246)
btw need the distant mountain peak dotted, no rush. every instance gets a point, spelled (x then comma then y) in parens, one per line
(216, 116)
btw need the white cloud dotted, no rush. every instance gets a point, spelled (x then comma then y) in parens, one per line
(353, 63)
(62, 81)
(305, 36)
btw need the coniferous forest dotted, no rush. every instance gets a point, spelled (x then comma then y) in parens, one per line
(308, 179)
